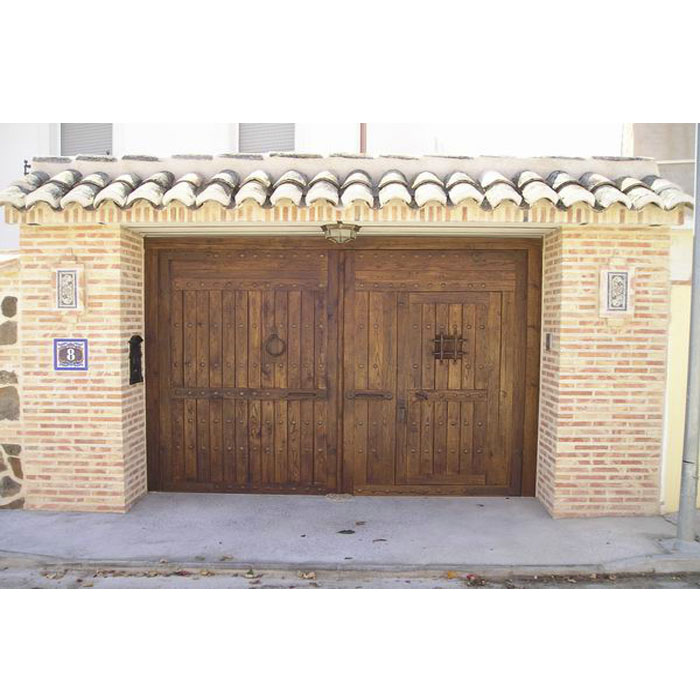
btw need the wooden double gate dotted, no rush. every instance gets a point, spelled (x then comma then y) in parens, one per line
(392, 365)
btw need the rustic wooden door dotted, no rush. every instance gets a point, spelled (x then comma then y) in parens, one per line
(418, 358)
(247, 365)
(435, 363)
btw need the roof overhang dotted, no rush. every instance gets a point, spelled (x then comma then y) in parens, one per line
(312, 190)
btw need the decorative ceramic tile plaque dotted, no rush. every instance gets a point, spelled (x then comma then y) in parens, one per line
(70, 354)
(616, 293)
(67, 292)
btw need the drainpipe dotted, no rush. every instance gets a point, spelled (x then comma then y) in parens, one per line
(691, 442)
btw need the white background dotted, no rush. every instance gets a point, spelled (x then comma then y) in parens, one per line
(392, 62)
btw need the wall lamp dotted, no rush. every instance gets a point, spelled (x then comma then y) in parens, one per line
(340, 232)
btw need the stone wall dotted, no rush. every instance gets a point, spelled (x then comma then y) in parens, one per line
(12, 486)
(604, 373)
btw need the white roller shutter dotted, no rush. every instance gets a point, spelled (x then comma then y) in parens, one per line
(94, 139)
(261, 138)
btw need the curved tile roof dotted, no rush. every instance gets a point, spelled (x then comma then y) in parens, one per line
(232, 180)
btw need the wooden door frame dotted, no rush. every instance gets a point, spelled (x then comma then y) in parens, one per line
(155, 246)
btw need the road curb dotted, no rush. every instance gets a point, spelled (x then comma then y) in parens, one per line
(646, 565)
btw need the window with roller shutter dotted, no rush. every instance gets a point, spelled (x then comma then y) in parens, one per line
(263, 138)
(93, 139)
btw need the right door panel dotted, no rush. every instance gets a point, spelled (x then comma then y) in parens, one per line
(434, 371)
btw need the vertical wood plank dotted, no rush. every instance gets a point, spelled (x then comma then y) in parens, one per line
(492, 451)
(228, 326)
(414, 348)
(202, 338)
(243, 468)
(308, 364)
(203, 442)
(502, 449)
(382, 377)
(454, 382)
(442, 370)
(267, 381)
(215, 339)
(190, 339)
(178, 440)
(294, 382)
(190, 439)
(427, 413)
(481, 379)
(334, 379)
(254, 381)
(361, 360)
(466, 439)
(230, 453)
(243, 474)
(321, 474)
(241, 354)
(281, 370)
(216, 437)
(176, 339)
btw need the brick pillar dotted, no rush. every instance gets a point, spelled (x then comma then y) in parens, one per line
(84, 444)
(603, 380)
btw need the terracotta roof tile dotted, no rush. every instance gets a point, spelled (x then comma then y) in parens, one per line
(152, 189)
(232, 179)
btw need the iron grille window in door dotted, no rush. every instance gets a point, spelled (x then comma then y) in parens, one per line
(93, 139)
(263, 138)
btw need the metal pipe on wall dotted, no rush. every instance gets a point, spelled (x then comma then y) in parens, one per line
(691, 441)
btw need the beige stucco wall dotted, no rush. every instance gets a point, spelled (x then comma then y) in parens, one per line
(678, 338)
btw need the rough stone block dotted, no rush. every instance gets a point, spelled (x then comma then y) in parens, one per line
(9, 487)
(8, 377)
(16, 466)
(8, 333)
(9, 403)
(9, 306)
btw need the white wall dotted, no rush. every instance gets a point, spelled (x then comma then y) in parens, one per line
(563, 139)
(495, 139)
(327, 138)
(172, 139)
(20, 142)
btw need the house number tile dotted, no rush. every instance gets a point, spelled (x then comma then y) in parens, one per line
(70, 354)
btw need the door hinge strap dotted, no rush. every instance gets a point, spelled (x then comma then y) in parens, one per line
(383, 395)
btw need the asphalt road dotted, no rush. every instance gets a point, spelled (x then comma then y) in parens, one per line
(198, 578)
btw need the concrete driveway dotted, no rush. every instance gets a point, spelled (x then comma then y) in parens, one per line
(477, 534)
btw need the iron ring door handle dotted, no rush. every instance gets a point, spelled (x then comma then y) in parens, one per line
(281, 345)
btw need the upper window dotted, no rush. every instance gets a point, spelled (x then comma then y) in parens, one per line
(263, 138)
(92, 139)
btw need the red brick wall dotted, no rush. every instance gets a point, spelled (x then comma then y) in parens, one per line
(601, 400)
(602, 393)
(83, 432)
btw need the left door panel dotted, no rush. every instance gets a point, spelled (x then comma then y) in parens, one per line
(245, 392)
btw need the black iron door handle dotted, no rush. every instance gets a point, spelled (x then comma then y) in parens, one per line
(271, 342)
